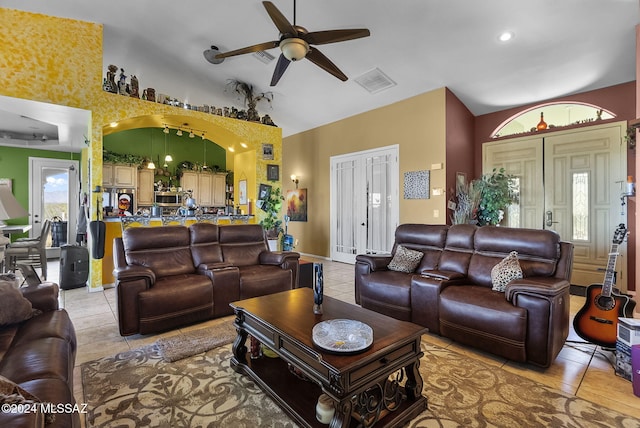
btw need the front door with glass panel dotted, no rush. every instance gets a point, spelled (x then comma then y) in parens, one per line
(571, 182)
(364, 203)
(53, 193)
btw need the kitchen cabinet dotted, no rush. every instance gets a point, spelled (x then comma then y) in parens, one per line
(205, 190)
(114, 175)
(208, 189)
(219, 190)
(145, 187)
(189, 181)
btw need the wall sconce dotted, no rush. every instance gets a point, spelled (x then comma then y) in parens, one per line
(179, 132)
(295, 179)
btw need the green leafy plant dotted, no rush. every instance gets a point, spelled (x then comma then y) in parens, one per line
(129, 159)
(271, 205)
(497, 192)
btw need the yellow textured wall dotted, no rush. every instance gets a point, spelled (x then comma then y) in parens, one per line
(417, 125)
(59, 61)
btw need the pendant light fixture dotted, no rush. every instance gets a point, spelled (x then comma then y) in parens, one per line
(179, 132)
(204, 161)
(151, 165)
(167, 157)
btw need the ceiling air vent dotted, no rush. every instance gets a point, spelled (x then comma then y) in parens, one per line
(375, 81)
(263, 56)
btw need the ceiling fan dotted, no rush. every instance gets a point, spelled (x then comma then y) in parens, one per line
(295, 44)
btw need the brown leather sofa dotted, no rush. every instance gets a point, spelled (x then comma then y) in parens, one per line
(171, 276)
(450, 292)
(39, 355)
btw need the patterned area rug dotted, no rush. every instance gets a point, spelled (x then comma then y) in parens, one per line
(138, 388)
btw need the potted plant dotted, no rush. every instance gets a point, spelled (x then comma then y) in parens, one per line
(497, 192)
(271, 206)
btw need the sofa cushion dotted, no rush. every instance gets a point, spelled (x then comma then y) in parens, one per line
(165, 250)
(405, 260)
(505, 272)
(483, 318)
(14, 308)
(387, 292)
(260, 280)
(49, 357)
(175, 297)
(205, 247)
(242, 244)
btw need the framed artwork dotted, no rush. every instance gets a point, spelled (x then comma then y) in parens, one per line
(416, 184)
(297, 204)
(461, 179)
(242, 192)
(267, 151)
(6, 182)
(263, 193)
(273, 172)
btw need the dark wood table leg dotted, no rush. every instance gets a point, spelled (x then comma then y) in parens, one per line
(239, 345)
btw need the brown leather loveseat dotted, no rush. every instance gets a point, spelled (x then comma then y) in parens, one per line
(171, 276)
(38, 355)
(450, 292)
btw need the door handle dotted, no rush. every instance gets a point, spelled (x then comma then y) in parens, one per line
(549, 219)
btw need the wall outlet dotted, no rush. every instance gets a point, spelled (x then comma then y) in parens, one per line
(436, 213)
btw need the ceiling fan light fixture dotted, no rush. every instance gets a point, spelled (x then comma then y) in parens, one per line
(294, 49)
(210, 55)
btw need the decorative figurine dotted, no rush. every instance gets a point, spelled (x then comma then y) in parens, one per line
(122, 83)
(110, 84)
(318, 288)
(134, 90)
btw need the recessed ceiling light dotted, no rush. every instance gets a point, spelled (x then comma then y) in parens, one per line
(506, 36)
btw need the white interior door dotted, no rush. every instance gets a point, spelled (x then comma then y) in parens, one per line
(364, 203)
(571, 182)
(53, 192)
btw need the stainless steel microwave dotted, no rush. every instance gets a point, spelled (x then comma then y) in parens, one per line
(168, 199)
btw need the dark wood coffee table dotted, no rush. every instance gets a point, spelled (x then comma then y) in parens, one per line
(381, 385)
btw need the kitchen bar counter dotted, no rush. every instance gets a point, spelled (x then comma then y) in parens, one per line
(114, 230)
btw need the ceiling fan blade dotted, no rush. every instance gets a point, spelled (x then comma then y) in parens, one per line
(333, 36)
(281, 66)
(282, 23)
(249, 49)
(318, 58)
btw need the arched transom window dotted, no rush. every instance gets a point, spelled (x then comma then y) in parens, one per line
(555, 115)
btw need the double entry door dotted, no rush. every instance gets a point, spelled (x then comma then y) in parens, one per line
(571, 182)
(364, 203)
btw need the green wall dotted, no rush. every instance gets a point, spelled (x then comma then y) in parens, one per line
(151, 141)
(14, 164)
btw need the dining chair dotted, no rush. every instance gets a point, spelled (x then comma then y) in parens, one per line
(134, 221)
(173, 220)
(207, 218)
(33, 250)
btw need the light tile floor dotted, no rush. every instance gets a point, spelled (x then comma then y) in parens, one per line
(583, 370)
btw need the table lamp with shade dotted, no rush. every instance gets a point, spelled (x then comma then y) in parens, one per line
(9, 205)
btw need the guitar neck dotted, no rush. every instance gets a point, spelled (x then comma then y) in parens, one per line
(607, 286)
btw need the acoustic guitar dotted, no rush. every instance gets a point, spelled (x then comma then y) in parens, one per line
(597, 320)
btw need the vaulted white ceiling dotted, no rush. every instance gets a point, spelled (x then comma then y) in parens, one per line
(559, 47)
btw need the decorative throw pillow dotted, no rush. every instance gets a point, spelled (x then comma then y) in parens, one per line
(505, 271)
(14, 307)
(405, 260)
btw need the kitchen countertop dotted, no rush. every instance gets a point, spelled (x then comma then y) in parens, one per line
(192, 218)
